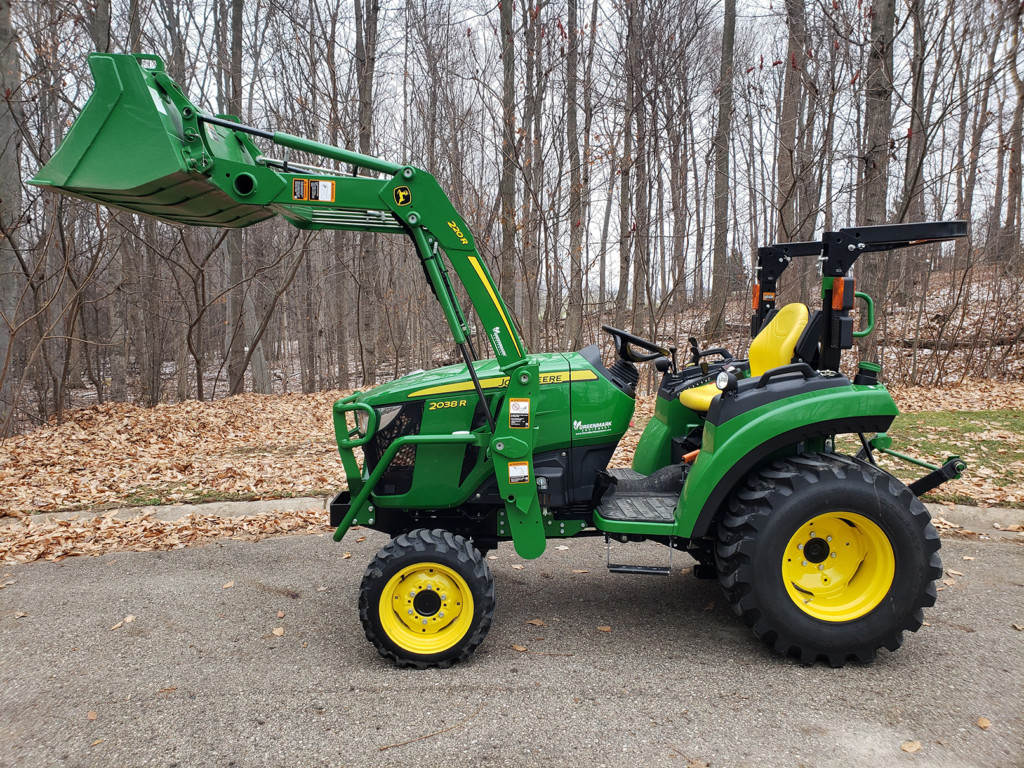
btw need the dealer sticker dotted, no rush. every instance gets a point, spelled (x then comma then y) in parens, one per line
(519, 472)
(519, 412)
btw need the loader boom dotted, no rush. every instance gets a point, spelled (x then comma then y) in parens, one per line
(142, 146)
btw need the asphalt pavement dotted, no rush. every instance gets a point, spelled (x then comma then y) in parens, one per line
(198, 677)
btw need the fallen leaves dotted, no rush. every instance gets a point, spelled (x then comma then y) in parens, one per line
(27, 540)
(251, 446)
(1018, 627)
(278, 631)
(911, 746)
(604, 629)
(92, 714)
(536, 623)
(229, 585)
(984, 723)
(520, 648)
(20, 615)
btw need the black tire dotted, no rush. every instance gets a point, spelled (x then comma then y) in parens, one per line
(427, 599)
(789, 601)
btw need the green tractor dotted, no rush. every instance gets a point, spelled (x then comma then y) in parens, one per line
(825, 555)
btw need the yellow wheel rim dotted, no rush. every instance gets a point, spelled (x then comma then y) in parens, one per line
(838, 566)
(426, 608)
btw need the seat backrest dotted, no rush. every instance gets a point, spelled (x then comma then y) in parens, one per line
(776, 343)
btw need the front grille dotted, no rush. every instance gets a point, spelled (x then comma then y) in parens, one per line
(397, 479)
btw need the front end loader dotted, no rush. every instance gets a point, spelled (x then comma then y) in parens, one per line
(825, 555)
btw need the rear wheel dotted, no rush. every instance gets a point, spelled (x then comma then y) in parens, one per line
(427, 599)
(827, 557)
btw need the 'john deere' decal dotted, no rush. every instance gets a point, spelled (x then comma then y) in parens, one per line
(402, 196)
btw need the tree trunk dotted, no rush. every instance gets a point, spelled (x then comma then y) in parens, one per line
(1011, 235)
(877, 129)
(626, 166)
(786, 197)
(369, 267)
(720, 277)
(574, 319)
(507, 182)
(235, 243)
(10, 207)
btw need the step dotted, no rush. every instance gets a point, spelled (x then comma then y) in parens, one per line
(644, 570)
(625, 507)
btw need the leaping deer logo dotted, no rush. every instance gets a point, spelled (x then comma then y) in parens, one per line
(402, 196)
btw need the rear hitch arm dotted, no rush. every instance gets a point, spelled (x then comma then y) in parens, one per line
(951, 469)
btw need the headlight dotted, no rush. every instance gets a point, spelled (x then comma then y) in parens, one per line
(387, 414)
(362, 420)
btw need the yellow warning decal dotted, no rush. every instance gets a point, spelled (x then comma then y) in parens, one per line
(518, 472)
(500, 382)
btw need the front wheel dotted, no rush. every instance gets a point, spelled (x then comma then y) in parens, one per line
(828, 557)
(427, 599)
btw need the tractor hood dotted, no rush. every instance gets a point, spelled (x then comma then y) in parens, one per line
(454, 380)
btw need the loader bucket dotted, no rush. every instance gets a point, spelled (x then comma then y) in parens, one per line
(137, 145)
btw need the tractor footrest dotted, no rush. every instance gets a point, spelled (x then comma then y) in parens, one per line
(649, 570)
(640, 508)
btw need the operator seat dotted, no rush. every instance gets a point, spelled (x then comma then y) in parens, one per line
(775, 345)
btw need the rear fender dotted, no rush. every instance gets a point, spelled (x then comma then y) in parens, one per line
(733, 449)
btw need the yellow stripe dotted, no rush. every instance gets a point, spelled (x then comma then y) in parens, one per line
(487, 284)
(500, 382)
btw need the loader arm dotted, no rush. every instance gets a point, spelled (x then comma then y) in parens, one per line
(140, 145)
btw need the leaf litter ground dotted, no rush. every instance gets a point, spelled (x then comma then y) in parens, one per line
(279, 446)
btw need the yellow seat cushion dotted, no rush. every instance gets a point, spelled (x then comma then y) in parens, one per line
(775, 345)
(699, 398)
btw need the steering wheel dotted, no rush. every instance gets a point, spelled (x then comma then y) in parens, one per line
(623, 342)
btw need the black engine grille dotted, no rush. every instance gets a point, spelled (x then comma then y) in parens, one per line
(397, 479)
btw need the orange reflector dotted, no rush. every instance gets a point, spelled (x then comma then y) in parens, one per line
(838, 286)
(691, 457)
(757, 295)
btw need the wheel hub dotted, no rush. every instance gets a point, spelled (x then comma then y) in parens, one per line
(427, 603)
(426, 607)
(816, 550)
(838, 566)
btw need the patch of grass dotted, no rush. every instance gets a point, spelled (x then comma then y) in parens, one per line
(991, 442)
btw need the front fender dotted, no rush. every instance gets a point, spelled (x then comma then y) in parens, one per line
(734, 448)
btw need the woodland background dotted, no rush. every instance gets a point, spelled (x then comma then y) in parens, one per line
(618, 162)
